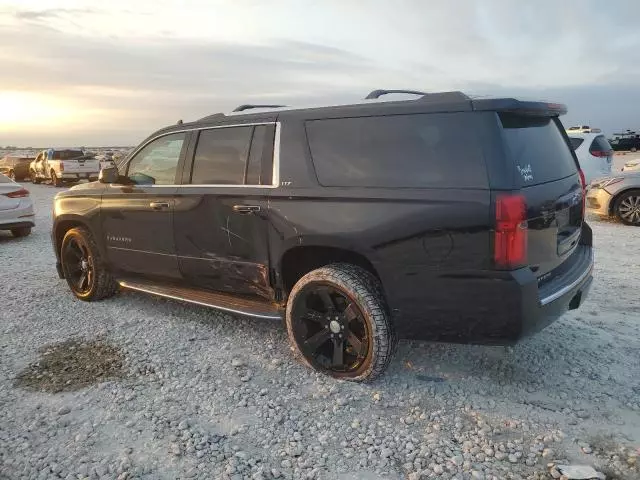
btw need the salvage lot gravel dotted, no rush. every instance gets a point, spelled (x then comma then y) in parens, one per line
(208, 395)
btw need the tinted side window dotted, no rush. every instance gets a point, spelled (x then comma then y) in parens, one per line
(252, 176)
(413, 151)
(221, 156)
(538, 148)
(576, 142)
(156, 163)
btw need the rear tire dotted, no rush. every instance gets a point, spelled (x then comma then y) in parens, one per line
(83, 266)
(338, 323)
(634, 149)
(21, 231)
(55, 181)
(627, 208)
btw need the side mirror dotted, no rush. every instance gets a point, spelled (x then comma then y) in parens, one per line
(108, 175)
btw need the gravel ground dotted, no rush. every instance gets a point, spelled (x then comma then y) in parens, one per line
(207, 395)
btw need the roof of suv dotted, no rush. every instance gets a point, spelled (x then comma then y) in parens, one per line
(372, 105)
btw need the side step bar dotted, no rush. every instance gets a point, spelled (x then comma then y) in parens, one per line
(221, 301)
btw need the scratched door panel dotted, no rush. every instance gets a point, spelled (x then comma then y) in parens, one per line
(218, 247)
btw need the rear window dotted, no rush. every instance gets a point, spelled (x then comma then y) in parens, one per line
(538, 148)
(600, 144)
(67, 154)
(411, 151)
(576, 142)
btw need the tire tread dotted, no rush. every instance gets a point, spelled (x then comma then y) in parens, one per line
(366, 289)
(105, 284)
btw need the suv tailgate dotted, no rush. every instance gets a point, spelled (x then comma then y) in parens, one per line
(81, 165)
(547, 175)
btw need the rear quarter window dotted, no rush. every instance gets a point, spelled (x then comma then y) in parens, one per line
(398, 151)
(576, 142)
(538, 148)
(600, 144)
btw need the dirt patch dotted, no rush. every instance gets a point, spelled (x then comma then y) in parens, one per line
(72, 365)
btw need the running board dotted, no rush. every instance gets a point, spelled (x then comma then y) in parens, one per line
(221, 301)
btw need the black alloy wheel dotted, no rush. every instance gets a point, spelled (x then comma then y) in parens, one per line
(331, 329)
(79, 269)
(338, 322)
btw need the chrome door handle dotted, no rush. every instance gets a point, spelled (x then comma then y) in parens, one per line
(159, 205)
(245, 209)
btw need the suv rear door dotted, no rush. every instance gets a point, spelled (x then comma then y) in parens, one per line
(546, 174)
(220, 219)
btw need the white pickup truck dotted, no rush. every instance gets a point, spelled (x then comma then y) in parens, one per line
(63, 165)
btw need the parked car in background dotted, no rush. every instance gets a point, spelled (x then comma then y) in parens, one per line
(62, 166)
(594, 154)
(16, 208)
(15, 166)
(353, 223)
(617, 196)
(632, 166)
(106, 160)
(626, 144)
(580, 129)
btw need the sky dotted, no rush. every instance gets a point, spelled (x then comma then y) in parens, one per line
(80, 73)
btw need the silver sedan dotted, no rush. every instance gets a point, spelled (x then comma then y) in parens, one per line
(16, 208)
(616, 196)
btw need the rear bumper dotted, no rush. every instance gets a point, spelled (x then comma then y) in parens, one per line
(21, 224)
(491, 307)
(542, 306)
(78, 176)
(22, 216)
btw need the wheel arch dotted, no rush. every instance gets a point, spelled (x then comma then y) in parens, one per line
(299, 260)
(616, 197)
(66, 223)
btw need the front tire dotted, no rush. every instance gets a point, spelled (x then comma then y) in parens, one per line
(12, 175)
(55, 181)
(627, 208)
(83, 267)
(34, 179)
(338, 323)
(21, 231)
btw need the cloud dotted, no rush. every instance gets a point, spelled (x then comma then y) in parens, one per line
(142, 65)
(43, 15)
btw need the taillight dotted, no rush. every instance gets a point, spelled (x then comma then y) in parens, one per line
(600, 153)
(23, 192)
(510, 242)
(62, 166)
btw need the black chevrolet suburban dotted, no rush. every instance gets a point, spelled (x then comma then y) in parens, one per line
(443, 217)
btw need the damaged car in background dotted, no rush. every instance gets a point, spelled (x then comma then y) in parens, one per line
(617, 196)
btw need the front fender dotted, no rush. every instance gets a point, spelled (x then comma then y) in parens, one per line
(71, 211)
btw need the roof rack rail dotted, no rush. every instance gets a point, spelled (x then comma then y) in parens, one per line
(212, 116)
(242, 108)
(379, 93)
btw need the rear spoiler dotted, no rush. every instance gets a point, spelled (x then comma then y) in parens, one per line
(511, 105)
